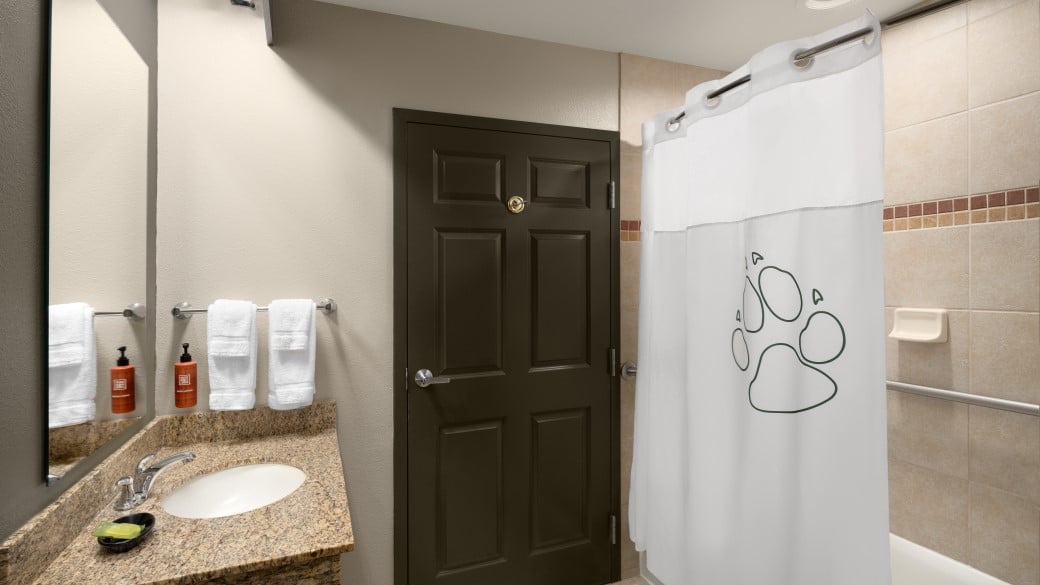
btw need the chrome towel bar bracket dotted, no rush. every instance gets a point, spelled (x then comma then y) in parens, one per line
(134, 311)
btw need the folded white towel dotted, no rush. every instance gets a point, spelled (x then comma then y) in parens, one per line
(66, 330)
(72, 365)
(290, 323)
(231, 328)
(231, 343)
(72, 413)
(290, 373)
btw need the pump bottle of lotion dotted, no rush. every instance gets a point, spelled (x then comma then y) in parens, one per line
(185, 391)
(123, 397)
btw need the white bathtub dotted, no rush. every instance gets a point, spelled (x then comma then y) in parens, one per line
(912, 564)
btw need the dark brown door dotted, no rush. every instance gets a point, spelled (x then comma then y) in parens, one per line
(509, 461)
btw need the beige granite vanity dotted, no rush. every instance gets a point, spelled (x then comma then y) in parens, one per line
(67, 446)
(296, 539)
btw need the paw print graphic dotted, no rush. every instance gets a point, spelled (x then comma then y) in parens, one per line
(786, 378)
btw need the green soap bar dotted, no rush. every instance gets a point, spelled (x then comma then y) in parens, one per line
(120, 531)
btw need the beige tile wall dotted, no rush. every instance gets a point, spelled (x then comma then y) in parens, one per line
(647, 87)
(963, 118)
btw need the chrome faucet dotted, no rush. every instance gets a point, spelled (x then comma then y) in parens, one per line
(144, 476)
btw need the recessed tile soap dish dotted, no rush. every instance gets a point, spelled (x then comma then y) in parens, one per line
(920, 325)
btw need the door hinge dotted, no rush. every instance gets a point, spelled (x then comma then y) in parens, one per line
(612, 361)
(612, 195)
(613, 529)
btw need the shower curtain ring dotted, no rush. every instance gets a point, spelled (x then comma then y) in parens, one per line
(675, 123)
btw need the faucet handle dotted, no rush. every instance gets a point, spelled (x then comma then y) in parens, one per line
(144, 463)
(127, 497)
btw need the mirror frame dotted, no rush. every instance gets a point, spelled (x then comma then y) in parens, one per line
(147, 359)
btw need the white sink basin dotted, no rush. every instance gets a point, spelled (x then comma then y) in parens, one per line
(233, 491)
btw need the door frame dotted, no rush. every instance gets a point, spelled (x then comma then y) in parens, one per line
(402, 117)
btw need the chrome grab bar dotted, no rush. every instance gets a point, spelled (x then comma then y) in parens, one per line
(972, 399)
(629, 371)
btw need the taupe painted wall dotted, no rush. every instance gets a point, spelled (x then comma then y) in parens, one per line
(275, 181)
(22, 245)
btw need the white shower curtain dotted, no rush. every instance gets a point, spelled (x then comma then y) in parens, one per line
(759, 454)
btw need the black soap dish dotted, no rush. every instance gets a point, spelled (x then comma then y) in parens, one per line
(120, 545)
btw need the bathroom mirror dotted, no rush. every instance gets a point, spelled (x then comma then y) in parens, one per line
(101, 196)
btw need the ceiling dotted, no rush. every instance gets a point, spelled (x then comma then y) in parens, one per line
(720, 34)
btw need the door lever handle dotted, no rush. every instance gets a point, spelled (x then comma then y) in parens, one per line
(424, 377)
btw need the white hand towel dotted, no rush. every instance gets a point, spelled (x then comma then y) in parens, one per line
(231, 344)
(231, 327)
(66, 330)
(292, 345)
(290, 323)
(71, 413)
(72, 365)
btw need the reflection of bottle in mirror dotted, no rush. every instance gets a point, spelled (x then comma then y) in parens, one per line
(123, 385)
(185, 392)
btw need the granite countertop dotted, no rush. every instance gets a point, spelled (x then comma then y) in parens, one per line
(310, 523)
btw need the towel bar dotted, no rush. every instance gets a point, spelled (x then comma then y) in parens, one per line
(184, 310)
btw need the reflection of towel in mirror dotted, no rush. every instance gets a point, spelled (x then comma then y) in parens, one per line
(231, 343)
(72, 364)
(292, 344)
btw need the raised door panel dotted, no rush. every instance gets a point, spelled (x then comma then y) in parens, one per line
(560, 300)
(560, 183)
(470, 272)
(463, 177)
(559, 480)
(470, 499)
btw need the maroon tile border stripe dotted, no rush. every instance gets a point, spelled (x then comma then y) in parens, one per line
(1010, 205)
(970, 202)
(630, 230)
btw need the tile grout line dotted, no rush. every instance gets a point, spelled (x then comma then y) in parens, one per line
(971, 233)
(967, 110)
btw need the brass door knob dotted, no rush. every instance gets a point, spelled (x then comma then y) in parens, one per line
(516, 204)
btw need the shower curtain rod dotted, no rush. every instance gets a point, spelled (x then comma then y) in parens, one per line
(804, 58)
(800, 59)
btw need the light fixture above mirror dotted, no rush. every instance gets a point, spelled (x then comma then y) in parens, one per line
(825, 4)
